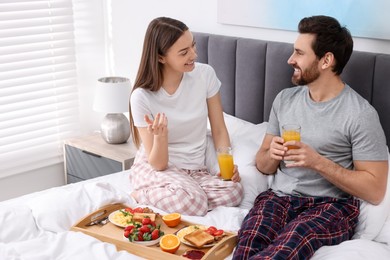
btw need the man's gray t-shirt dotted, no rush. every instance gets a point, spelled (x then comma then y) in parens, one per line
(343, 129)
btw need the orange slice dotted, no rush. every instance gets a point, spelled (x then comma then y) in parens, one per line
(170, 243)
(172, 220)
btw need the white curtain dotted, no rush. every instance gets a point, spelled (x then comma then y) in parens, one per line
(38, 90)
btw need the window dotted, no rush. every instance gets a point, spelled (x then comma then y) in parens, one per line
(38, 91)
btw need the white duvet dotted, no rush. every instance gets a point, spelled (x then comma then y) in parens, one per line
(36, 226)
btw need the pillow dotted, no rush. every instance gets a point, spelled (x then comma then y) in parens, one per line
(373, 217)
(17, 224)
(60, 208)
(245, 138)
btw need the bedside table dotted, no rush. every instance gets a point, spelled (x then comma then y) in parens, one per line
(90, 156)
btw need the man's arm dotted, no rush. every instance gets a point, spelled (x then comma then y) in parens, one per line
(367, 181)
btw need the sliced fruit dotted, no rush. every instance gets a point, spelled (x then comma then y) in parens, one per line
(170, 243)
(172, 220)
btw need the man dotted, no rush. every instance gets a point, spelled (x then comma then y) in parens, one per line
(342, 155)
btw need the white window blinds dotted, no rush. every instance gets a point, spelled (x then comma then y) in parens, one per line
(38, 93)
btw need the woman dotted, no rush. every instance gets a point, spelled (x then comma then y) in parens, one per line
(171, 100)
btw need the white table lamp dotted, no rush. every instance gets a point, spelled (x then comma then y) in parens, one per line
(112, 97)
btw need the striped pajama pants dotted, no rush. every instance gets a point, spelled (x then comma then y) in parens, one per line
(291, 227)
(189, 192)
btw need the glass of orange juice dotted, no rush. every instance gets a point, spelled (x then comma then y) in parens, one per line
(291, 132)
(225, 162)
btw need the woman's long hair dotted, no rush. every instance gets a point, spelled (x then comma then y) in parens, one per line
(161, 34)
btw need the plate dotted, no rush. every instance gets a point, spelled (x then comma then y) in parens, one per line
(144, 243)
(186, 230)
(119, 219)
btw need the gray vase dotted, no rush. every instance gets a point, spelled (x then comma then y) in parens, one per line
(115, 128)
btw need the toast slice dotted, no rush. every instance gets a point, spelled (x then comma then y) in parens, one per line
(140, 216)
(199, 238)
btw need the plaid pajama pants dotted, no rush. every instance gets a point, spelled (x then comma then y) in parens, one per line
(291, 227)
(189, 192)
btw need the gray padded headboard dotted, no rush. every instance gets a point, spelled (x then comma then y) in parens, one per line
(253, 71)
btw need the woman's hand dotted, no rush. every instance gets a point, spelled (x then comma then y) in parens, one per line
(236, 175)
(158, 125)
(155, 140)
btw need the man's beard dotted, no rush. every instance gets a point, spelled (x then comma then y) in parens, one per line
(307, 76)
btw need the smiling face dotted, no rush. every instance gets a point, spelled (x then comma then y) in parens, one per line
(304, 61)
(181, 55)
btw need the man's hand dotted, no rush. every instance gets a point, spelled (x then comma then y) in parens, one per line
(277, 150)
(304, 156)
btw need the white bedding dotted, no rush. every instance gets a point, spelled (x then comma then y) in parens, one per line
(36, 226)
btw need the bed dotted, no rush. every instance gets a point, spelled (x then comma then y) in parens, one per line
(36, 226)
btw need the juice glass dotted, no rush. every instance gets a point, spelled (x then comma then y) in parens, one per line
(291, 132)
(225, 162)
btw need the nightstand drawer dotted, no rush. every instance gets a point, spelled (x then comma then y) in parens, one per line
(89, 156)
(72, 179)
(85, 165)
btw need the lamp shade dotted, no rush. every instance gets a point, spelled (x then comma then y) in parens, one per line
(112, 95)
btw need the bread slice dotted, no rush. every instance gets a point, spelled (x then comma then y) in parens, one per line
(199, 238)
(140, 216)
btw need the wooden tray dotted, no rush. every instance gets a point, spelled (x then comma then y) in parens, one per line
(113, 234)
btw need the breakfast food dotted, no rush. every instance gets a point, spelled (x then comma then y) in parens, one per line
(194, 254)
(190, 229)
(138, 217)
(217, 233)
(169, 243)
(172, 220)
(199, 238)
(146, 230)
(128, 216)
(121, 218)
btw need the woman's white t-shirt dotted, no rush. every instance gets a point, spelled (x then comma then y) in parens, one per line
(186, 111)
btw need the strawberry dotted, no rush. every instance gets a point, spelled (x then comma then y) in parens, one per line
(155, 234)
(212, 229)
(146, 221)
(138, 210)
(218, 232)
(209, 231)
(129, 228)
(144, 229)
(130, 210)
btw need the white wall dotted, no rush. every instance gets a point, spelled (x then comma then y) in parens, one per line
(130, 19)
(36, 180)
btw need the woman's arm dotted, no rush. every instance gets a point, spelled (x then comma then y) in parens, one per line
(155, 140)
(218, 128)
